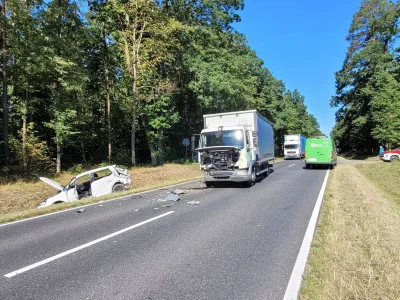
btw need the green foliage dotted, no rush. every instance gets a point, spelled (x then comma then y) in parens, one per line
(367, 91)
(166, 62)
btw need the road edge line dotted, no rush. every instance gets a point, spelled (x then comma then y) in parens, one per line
(296, 278)
(95, 203)
(65, 253)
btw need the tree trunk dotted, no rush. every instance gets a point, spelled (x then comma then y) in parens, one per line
(24, 156)
(151, 146)
(108, 118)
(83, 152)
(4, 73)
(161, 147)
(108, 96)
(58, 163)
(134, 116)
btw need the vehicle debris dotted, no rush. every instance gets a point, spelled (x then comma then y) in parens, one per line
(80, 210)
(173, 197)
(93, 183)
(179, 192)
(193, 202)
(137, 209)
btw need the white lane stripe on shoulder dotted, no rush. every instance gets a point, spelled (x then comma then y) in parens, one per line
(293, 287)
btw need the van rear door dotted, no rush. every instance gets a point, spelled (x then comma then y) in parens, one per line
(319, 151)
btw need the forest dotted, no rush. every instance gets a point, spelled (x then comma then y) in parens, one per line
(124, 81)
(368, 85)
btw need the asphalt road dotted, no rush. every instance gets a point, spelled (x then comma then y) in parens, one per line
(238, 243)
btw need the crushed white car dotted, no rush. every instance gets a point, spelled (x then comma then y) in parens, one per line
(93, 183)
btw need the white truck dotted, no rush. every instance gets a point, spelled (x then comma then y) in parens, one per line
(236, 147)
(294, 146)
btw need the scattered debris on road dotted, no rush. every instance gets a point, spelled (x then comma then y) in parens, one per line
(179, 192)
(80, 210)
(193, 202)
(137, 209)
(173, 197)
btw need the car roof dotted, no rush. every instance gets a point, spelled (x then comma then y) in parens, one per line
(96, 170)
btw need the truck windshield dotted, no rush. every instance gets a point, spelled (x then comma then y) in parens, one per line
(224, 138)
(291, 146)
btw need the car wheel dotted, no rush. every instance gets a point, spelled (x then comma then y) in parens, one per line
(332, 166)
(118, 188)
(394, 158)
(307, 166)
(209, 184)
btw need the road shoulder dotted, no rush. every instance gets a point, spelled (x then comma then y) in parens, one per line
(356, 249)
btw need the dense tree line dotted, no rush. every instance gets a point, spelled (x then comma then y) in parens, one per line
(126, 81)
(368, 85)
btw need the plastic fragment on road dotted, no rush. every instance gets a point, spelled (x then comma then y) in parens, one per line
(172, 197)
(80, 210)
(137, 209)
(193, 202)
(179, 191)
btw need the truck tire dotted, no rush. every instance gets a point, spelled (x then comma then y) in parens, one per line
(209, 184)
(394, 158)
(252, 181)
(307, 166)
(118, 188)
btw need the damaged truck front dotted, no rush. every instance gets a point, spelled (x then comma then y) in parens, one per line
(236, 147)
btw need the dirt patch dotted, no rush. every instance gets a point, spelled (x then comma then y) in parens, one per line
(356, 249)
(21, 196)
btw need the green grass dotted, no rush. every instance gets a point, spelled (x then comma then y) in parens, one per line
(386, 178)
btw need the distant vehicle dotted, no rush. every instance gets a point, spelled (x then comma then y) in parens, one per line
(94, 183)
(391, 155)
(236, 147)
(320, 151)
(294, 146)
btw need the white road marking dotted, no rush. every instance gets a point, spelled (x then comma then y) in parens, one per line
(296, 278)
(291, 165)
(45, 261)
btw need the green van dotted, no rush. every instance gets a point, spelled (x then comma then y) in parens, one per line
(320, 151)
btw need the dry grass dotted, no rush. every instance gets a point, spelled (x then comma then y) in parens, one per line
(356, 249)
(19, 200)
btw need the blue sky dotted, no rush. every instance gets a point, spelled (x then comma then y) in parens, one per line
(302, 42)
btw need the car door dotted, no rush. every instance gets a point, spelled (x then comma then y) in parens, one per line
(102, 183)
(72, 193)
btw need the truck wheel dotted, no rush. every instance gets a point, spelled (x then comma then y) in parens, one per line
(307, 166)
(394, 158)
(252, 181)
(208, 184)
(118, 188)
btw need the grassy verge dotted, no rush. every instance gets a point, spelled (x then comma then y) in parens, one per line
(355, 156)
(19, 200)
(356, 249)
(385, 177)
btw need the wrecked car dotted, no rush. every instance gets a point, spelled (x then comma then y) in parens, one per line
(93, 183)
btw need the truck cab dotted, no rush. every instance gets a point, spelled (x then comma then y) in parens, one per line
(226, 153)
(235, 147)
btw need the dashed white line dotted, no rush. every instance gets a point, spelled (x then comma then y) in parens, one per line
(50, 259)
(293, 287)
